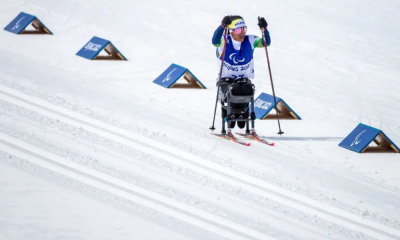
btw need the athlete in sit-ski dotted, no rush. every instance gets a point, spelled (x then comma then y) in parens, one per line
(238, 66)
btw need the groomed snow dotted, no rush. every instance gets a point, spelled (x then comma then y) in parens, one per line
(96, 150)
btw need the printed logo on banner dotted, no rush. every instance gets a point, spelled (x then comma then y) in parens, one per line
(92, 47)
(360, 138)
(168, 77)
(173, 73)
(262, 104)
(356, 141)
(17, 24)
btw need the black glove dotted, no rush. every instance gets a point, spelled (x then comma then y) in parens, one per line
(262, 23)
(226, 21)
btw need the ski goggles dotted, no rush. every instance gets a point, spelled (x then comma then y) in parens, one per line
(239, 30)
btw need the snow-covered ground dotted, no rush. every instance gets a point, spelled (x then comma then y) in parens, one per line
(96, 150)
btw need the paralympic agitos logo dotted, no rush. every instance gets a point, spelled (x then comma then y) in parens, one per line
(235, 60)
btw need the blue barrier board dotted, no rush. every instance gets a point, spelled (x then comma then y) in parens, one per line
(93, 48)
(19, 23)
(264, 103)
(359, 139)
(173, 73)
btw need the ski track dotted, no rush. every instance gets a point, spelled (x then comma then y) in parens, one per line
(129, 208)
(249, 203)
(185, 160)
(121, 213)
(128, 191)
(292, 151)
(136, 172)
(250, 210)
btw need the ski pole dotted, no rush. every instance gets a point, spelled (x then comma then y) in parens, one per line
(212, 128)
(272, 83)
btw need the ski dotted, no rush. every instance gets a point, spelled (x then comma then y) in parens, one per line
(254, 136)
(231, 137)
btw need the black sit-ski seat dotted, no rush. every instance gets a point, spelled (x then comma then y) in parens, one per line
(237, 104)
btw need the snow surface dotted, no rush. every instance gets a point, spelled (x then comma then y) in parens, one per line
(95, 150)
